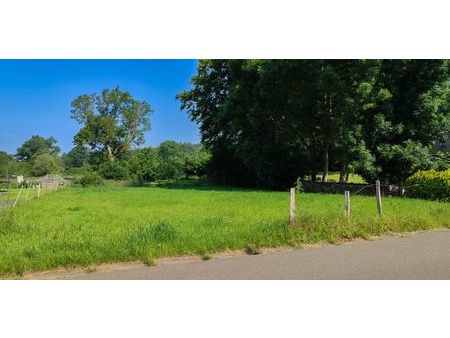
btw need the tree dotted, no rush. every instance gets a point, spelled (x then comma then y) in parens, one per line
(76, 157)
(5, 164)
(170, 160)
(37, 145)
(267, 122)
(412, 115)
(144, 164)
(111, 122)
(195, 164)
(44, 164)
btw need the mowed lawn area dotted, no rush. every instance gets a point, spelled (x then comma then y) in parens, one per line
(84, 226)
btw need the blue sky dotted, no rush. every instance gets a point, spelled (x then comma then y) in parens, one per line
(35, 96)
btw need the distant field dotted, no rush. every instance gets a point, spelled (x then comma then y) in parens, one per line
(77, 226)
(352, 178)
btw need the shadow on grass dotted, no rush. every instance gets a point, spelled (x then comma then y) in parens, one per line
(192, 184)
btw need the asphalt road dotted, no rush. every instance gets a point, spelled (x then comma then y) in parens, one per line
(418, 256)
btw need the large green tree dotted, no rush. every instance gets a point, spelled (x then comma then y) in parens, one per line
(111, 122)
(267, 122)
(76, 157)
(412, 115)
(45, 163)
(170, 160)
(37, 145)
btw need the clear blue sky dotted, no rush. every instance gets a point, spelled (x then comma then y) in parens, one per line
(35, 96)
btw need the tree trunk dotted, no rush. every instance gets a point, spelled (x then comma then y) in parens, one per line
(346, 176)
(325, 162)
(343, 171)
(110, 153)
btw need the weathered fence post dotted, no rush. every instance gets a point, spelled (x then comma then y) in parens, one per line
(347, 204)
(292, 207)
(39, 191)
(28, 191)
(378, 198)
(18, 195)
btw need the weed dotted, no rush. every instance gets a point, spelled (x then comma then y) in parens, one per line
(252, 249)
(149, 261)
(90, 269)
(206, 257)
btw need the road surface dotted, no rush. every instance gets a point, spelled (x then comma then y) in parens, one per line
(419, 256)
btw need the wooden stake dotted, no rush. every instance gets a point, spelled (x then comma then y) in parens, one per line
(347, 204)
(28, 191)
(378, 198)
(292, 208)
(18, 195)
(39, 191)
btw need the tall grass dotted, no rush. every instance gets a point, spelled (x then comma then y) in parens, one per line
(77, 226)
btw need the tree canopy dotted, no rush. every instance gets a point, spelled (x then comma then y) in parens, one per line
(111, 121)
(267, 122)
(76, 157)
(37, 145)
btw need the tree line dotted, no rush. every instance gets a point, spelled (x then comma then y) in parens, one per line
(169, 160)
(268, 122)
(112, 126)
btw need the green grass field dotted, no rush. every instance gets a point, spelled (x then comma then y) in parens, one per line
(76, 226)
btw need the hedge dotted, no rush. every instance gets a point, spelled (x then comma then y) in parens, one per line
(429, 184)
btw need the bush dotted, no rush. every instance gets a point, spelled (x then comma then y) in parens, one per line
(429, 184)
(44, 164)
(91, 179)
(116, 170)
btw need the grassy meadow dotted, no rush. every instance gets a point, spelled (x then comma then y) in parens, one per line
(84, 226)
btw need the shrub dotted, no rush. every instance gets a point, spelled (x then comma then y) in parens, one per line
(46, 164)
(116, 170)
(429, 184)
(90, 179)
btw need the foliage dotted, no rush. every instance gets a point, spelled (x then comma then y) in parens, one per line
(116, 170)
(44, 164)
(266, 122)
(111, 121)
(170, 160)
(76, 157)
(441, 161)
(114, 224)
(195, 164)
(35, 146)
(6, 161)
(401, 160)
(144, 165)
(430, 184)
(90, 179)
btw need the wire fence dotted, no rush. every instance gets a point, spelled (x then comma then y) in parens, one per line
(355, 190)
(18, 195)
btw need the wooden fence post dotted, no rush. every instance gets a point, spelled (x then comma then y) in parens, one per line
(39, 191)
(347, 204)
(292, 207)
(18, 195)
(378, 198)
(28, 191)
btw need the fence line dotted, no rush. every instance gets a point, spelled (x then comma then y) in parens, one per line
(19, 199)
(377, 194)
